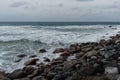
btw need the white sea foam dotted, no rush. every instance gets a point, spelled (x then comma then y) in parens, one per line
(15, 40)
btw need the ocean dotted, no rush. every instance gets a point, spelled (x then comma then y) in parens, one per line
(29, 37)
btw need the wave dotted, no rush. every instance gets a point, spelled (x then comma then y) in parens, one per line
(22, 41)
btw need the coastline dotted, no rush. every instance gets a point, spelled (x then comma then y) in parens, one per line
(93, 61)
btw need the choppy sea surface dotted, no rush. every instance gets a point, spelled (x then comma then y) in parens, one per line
(28, 37)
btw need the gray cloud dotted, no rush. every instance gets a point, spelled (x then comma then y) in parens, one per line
(19, 4)
(60, 5)
(84, 0)
(74, 8)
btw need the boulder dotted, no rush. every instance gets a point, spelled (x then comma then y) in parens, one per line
(3, 76)
(58, 50)
(17, 74)
(29, 69)
(31, 62)
(65, 54)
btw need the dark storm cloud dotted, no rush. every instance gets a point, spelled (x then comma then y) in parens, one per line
(19, 4)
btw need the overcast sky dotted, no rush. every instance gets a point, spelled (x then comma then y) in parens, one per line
(59, 10)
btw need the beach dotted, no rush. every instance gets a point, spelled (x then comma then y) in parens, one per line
(94, 55)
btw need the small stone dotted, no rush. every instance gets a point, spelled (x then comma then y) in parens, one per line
(111, 70)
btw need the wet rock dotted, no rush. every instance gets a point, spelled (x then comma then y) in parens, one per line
(93, 58)
(79, 55)
(65, 54)
(58, 50)
(31, 62)
(111, 70)
(91, 53)
(118, 41)
(42, 51)
(35, 73)
(50, 75)
(29, 69)
(32, 56)
(102, 42)
(88, 70)
(58, 77)
(87, 49)
(39, 78)
(98, 78)
(17, 74)
(25, 79)
(41, 67)
(18, 60)
(72, 50)
(46, 59)
(3, 76)
(21, 55)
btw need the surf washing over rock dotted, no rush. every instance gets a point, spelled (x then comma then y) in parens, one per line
(29, 38)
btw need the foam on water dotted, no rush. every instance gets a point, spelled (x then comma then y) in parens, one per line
(28, 40)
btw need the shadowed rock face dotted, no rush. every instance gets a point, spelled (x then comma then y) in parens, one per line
(93, 61)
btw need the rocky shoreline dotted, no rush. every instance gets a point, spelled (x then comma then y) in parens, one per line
(93, 61)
